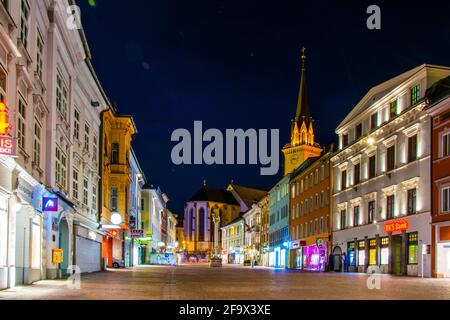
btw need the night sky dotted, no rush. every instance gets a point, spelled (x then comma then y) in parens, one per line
(236, 64)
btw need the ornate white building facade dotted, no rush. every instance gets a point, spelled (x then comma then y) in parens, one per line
(381, 198)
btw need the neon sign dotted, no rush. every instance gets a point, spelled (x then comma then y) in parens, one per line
(7, 146)
(50, 204)
(396, 226)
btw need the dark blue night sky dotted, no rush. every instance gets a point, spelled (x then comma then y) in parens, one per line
(236, 64)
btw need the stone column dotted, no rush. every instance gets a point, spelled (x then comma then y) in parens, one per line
(404, 262)
(391, 254)
(366, 253)
(378, 250)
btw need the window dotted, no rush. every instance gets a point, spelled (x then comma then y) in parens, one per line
(412, 197)
(201, 224)
(24, 14)
(61, 96)
(76, 124)
(390, 158)
(385, 251)
(372, 252)
(343, 219)
(351, 253)
(393, 109)
(374, 121)
(60, 167)
(115, 200)
(372, 167)
(115, 153)
(86, 136)
(36, 240)
(21, 116)
(446, 145)
(75, 184)
(322, 173)
(39, 54)
(316, 177)
(95, 148)
(2, 83)
(415, 94)
(446, 200)
(311, 180)
(390, 206)
(321, 224)
(371, 211)
(343, 179)
(361, 253)
(85, 191)
(345, 140)
(357, 173)
(358, 131)
(356, 216)
(412, 148)
(413, 248)
(322, 198)
(37, 143)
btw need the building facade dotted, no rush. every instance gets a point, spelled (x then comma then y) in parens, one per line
(279, 224)
(117, 132)
(439, 109)
(46, 81)
(199, 224)
(381, 197)
(310, 219)
(264, 233)
(233, 241)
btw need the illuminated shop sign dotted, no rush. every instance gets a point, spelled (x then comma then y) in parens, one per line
(7, 143)
(396, 226)
(50, 204)
(137, 233)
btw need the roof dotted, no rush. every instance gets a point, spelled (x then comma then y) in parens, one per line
(237, 219)
(302, 112)
(248, 195)
(380, 90)
(308, 162)
(438, 90)
(207, 193)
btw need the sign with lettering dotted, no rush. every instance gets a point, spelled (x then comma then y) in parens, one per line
(50, 204)
(7, 146)
(396, 226)
(137, 233)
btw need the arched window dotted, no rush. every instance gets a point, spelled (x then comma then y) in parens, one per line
(201, 224)
(192, 224)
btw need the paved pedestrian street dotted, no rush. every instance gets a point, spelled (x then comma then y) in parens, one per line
(199, 282)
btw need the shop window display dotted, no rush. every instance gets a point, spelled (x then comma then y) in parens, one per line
(413, 246)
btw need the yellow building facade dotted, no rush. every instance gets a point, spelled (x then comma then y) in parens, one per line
(117, 132)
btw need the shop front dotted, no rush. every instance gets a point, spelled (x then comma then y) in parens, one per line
(236, 256)
(88, 249)
(442, 235)
(312, 257)
(279, 257)
(400, 247)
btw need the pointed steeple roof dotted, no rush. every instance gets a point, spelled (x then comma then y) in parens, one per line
(302, 103)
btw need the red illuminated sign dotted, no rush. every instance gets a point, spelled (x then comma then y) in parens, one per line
(7, 146)
(396, 226)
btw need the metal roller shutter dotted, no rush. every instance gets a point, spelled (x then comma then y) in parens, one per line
(88, 254)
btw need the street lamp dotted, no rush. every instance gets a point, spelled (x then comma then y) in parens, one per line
(116, 218)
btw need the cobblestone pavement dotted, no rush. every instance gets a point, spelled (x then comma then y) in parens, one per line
(198, 282)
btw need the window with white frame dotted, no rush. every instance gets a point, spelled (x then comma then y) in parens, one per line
(76, 124)
(446, 200)
(86, 136)
(60, 167)
(24, 16)
(75, 184)
(446, 144)
(21, 127)
(39, 54)
(37, 142)
(85, 191)
(61, 95)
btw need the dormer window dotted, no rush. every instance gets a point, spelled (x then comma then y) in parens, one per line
(415, 94)
(393, 109)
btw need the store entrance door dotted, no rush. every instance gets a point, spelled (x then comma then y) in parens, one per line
(396, 255)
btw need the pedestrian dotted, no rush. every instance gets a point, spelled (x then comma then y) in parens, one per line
(344, 262)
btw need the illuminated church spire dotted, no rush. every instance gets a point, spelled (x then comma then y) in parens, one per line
(302, 145)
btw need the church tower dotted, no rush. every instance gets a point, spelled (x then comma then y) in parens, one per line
(302, 145)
